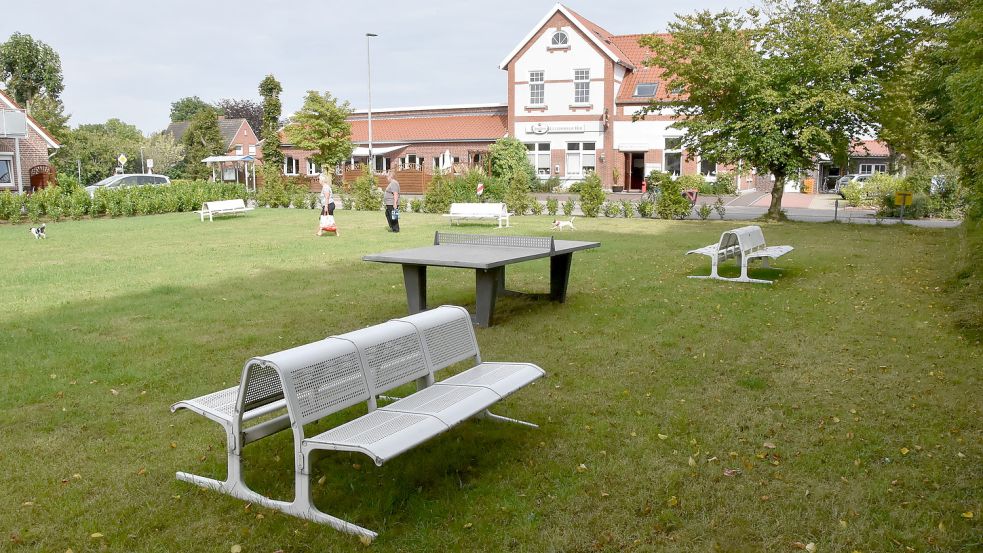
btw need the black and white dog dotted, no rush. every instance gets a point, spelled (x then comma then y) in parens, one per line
(38, 232)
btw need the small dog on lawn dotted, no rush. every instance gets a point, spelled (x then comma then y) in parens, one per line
(560, 225)
(38, 232)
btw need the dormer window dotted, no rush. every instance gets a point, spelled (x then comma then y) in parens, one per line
(559, 40)
(646, 90)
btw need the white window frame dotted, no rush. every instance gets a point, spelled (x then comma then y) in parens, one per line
(667, 151)
(384, 165)
(713, 174)
(581, 158)
(581, 86)
(312, 168)
(537, 87)
(238, 149)
(252, 149)
(290, 162)
(560, 39)
(540, 157)
(872, 168)
(10, 170)
(655, 90)
(406, 162)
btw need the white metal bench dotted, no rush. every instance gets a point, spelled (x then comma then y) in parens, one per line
(479, 211)
(743, 244)
(223, 207)
(315, 380)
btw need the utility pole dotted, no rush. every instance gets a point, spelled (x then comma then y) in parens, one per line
(368, 58)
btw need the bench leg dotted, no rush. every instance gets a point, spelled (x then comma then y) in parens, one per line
(714, 262)
(486, 414)
(303, 507)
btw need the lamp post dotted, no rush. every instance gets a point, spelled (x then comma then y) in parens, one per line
(143, 164)
(368, 62)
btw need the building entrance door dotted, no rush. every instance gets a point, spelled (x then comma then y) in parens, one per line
(637, 165)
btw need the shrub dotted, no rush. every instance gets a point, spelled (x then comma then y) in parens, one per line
(439, 195)
(726, 184)
(540, 185)
(416, 205)
(568, 206)
(874, 191)
(671, 203)
(656, 180)
(348, 202)
(78, 204)
(401, 205)
(517, 198)
(704, 211)
(628, 208)
(367, 195)
(591, 195)
(10, 204)
(553, 183)
(611, 209)
(68, 183)
(719, 207)
(693, 182)
(535, 207)
(574, 188)
(552, 206)
(646, 208)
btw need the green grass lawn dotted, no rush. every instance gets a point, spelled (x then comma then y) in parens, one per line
(843, 395)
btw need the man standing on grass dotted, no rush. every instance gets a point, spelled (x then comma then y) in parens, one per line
(391, 199)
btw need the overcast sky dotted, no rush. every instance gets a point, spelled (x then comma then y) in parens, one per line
(130, 59)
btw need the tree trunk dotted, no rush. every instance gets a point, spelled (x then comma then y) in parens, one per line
(775, 209)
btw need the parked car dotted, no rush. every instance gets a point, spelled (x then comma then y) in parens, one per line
(850, 180)
(125, 180)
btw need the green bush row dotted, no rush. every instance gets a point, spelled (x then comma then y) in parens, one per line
(59, 202)
(932, 194)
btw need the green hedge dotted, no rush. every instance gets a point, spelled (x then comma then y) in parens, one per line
(56, 202)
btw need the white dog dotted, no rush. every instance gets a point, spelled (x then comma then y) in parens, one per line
(560, 225)
(38, 232)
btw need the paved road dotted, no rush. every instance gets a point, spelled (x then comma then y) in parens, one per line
(814, 208)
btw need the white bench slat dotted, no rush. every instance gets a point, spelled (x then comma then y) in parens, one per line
(223, 207)
(495, 211)
(450, 404)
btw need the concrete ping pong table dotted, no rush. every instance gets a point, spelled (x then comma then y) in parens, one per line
(488, 256)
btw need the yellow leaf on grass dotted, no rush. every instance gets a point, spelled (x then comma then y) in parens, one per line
(322, 480)
(968, 514)
(235, 549)
(769, 445)
(672, 501)
(662, 436)
(366, 540)
(581, 468)
(96, 536)
(468, 525)
(904, 450)
(691, 462)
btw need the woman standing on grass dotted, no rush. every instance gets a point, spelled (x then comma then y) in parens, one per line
(391, 199)
(326, 221)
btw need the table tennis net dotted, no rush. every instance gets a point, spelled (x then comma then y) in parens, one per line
(539, 242)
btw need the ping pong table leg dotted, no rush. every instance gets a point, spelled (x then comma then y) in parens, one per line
(415, 279)
(486, 292)
(560, 276)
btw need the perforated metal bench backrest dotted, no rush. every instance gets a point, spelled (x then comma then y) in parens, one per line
(392, 354)
(260, 385)
(448, 335)
(477, 209)
(226, 204)
(748, 239)
(319, 378)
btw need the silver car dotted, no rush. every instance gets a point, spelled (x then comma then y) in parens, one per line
(126, 180)
(850, 180)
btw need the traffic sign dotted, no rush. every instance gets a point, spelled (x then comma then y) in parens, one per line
(121, 159)
(902, 198)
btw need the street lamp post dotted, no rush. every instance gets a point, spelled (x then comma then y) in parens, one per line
(143, 164)
(368, 58)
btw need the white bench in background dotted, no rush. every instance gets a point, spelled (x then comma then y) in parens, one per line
(223, 207)
(310, 382)
(479, 211)
(743, 244)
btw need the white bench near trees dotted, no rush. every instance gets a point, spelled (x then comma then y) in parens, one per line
(310, 382)
(223, 207)
(743, 244)
(479, 211)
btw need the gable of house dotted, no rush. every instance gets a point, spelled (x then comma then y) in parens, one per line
(34, 150)
(234, 132)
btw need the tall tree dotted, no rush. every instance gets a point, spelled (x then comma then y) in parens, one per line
(96, 147)
(30, 68)
(202, 139)
(249, 110)
(166, 152)
(509, 157)
(321, 125)
(185, 109)
(270, 89)
(50, 112)
(776, 88)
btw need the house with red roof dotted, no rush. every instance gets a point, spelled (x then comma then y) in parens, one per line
(25, 147)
